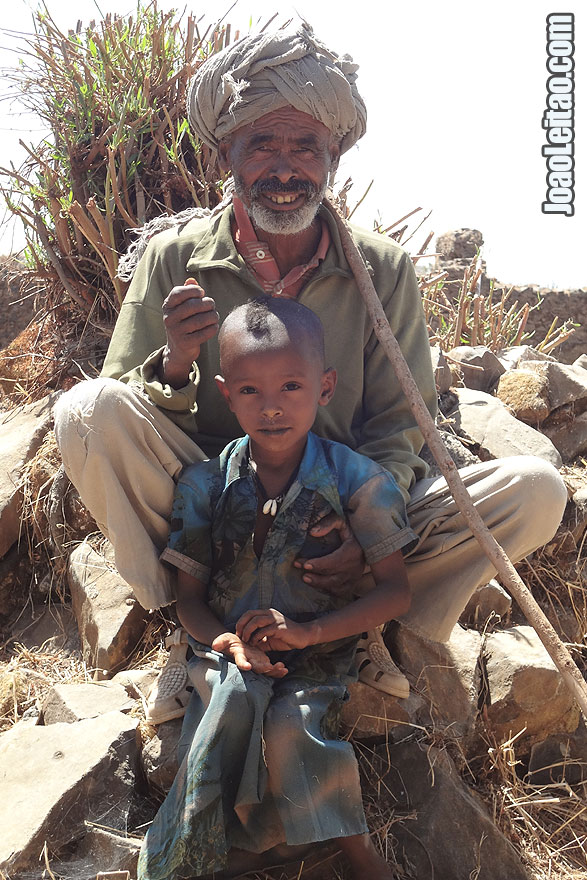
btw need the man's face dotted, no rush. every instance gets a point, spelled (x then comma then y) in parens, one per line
(280, 164)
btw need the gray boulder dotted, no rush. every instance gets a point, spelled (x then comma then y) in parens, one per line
(159, 756)
(369, 712)
(22, 431)
(527, 694)
(442, 828)
(480, 367)
(56, 778)
(488, 421)
(445, 675)
(109, 618)
(568, 433)
(74, 702)
(489, 603)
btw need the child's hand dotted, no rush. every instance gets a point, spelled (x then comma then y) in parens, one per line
(248, 657)
(271, 629)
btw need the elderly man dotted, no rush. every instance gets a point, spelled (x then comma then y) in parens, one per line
(280, 109)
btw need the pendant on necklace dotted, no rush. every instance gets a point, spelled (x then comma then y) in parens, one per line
(270, 506)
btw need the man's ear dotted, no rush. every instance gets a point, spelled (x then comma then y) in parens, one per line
(222, 387)
(328, 386)
(334, 156)
(224, 155)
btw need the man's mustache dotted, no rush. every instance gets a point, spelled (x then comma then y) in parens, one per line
(276, 187)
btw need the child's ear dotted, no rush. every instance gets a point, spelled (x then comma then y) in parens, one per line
(328, 386)
(221, 385)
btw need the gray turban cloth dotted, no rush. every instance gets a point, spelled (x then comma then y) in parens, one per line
(267, 71)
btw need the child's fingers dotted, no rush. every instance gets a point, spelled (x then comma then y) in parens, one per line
(278, 670)
(252, 623)
(241, 660)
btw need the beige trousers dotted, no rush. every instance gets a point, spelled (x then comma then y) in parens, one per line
(124, 456)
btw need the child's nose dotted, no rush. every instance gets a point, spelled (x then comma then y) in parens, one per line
(271, 408)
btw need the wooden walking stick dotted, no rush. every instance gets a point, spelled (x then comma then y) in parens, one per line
(506, 571)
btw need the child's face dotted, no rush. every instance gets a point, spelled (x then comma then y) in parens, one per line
(274, 392)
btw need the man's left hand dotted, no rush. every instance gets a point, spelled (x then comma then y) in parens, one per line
(345, 565)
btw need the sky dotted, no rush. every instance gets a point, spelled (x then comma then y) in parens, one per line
(455, 94)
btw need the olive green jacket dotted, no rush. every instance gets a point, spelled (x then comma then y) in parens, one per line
(368, 411)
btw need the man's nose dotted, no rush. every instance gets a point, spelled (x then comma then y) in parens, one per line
(283, 167)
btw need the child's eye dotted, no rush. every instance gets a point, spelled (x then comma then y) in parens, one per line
(291, 386)
(248, 389)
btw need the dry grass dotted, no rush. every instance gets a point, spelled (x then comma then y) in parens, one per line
(472, 318)
(27, 676)
(546, 823)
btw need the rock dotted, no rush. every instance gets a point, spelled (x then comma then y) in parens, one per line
(541, 389)
(109, 618)
(526, 692)
(136, 682)
(559, 758)
(74, 702)
(369, 712)
(525, 392)
(159, 756)
(15, 583)
(516, 355)
(460, 454)
(21, 433)
(577, 519)
(110, 852)
(489, 602)
(50, 627)
(447, 675)
(55, 778)
(442, 373)
(566, 384)
(479, 366)
(489, 422)
(442, 828)
(569, 436)
(461, 244)
(14, 690)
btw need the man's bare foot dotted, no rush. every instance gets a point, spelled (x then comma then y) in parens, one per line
(366, 863)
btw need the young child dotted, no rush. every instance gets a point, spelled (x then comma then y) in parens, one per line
(272, 657)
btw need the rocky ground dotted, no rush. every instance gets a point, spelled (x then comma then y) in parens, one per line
(481, 773)
(16, 312)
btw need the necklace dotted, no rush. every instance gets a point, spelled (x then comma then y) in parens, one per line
(270, 505)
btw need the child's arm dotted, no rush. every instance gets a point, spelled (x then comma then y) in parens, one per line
(390, 598)
(195, 615)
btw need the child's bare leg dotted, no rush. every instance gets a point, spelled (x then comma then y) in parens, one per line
(366, 863)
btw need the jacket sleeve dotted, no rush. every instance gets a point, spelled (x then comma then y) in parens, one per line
(134, 353)
(389, 433)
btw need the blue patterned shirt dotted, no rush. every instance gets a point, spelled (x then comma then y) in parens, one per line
(214, 514)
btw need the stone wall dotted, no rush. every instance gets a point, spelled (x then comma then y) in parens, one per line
(459, 247)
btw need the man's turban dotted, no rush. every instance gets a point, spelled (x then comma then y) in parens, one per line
(267, 71)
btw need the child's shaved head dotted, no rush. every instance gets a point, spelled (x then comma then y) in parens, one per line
(272, 322)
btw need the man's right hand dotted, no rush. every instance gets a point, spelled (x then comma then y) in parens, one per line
(190, 319)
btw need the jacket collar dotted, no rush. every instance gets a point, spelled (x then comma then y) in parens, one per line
(314, 472)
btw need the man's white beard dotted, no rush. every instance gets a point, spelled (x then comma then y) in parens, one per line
(279, 222)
